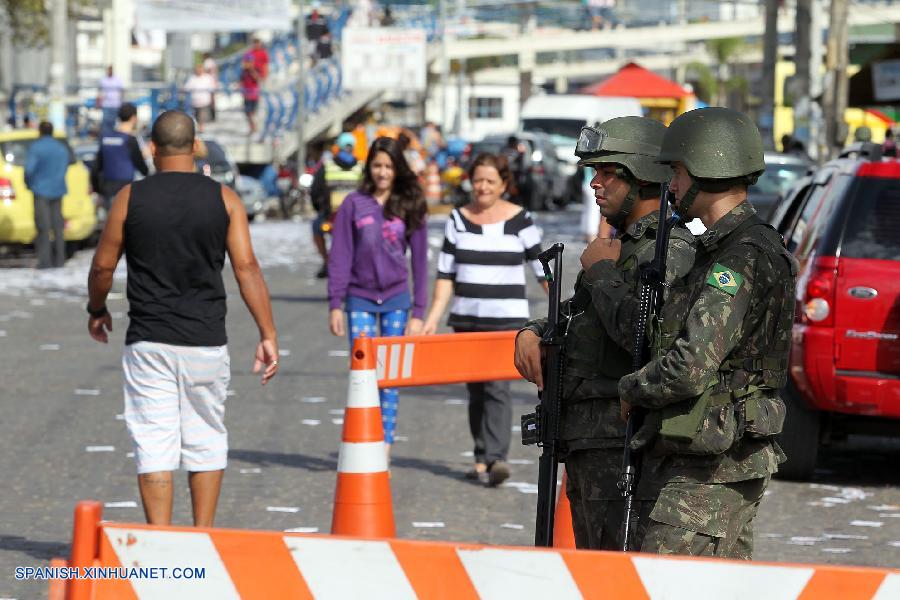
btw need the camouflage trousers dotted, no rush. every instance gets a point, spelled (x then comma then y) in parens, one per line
(705, 519)
(597, 505)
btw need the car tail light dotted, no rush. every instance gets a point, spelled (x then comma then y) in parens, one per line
(7, 193)
(818, 302)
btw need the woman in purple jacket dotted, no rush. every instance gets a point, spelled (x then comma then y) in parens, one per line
(367, 266)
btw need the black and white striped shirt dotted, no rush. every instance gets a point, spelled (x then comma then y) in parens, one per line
(486, 265)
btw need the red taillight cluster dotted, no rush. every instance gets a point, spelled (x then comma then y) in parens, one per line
(6, 190)
(818, 301)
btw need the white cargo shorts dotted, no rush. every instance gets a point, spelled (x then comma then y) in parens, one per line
(175, 406)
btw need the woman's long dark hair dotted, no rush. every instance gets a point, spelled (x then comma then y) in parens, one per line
(407, 200)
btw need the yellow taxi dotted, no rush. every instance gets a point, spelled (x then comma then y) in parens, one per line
(17, 201)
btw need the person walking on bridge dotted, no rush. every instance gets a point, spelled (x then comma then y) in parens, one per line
(175, 229)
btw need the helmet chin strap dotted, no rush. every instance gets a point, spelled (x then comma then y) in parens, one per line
(618, 220)
(684, 205)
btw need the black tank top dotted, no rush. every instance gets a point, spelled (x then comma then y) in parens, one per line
(175, 235)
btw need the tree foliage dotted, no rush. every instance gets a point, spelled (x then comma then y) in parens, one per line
(28, 20)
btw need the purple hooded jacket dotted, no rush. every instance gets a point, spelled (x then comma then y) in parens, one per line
(368, 255)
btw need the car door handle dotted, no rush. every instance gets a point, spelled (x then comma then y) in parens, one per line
(864, 293)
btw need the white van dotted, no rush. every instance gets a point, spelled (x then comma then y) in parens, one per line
(563, 115)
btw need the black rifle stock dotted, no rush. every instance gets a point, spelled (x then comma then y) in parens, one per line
(542, 426)
(652, 282)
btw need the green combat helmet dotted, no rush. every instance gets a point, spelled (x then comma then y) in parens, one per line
(862, 134)
(632, 144)
(719, 147)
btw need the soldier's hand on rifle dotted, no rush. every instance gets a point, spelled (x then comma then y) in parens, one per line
(528, 357)
(601, 249)
(624, 409)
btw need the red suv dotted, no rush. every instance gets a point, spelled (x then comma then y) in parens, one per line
(843, 226)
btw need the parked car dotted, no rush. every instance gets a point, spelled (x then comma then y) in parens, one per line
(218, 165)
(843, 226)
(546, 183)
(17, 228)
(782, 170)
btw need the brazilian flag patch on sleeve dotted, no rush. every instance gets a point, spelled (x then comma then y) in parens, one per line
(725, 279)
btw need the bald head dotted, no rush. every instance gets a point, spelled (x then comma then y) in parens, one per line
(173, 133)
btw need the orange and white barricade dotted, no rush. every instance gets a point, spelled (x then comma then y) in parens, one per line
(229, 564)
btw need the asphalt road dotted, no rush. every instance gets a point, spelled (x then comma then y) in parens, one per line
(62, 440)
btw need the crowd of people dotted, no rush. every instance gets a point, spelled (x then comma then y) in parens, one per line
(708, 396)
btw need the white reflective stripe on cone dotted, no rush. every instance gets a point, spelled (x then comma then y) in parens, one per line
(363, 390)
(362, 457)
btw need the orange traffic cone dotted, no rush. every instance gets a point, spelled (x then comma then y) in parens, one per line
(563, 534)
(362, 498)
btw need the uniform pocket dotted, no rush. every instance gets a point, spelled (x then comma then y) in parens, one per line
(705, 425)
(764, 416)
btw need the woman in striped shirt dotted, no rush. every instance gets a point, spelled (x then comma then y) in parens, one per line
(482, 267)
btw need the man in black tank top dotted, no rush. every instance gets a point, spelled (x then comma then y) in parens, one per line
(174, 229)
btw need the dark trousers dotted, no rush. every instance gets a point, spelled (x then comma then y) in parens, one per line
(48, 217)
(490, 419)
(110, 189)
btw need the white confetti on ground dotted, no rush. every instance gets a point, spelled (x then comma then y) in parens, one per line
(117, 315)
(799, 543)
(467, 453)
(889, 516)
(428, 524)
(454, 401)
(87, 392)
(311, 422)
(230, 393)
(845, 536)
(2, 333)
(121, 504)
(866, 523)
(120, 417)
(798, 539)
(894, 544)
(250, 471)
(516, 428)
(336, 411)
(884, 507)
(339, 353)
(302, 530)
(822, 486)
(129, 455)
(337, 421)
(284, 352)
(50, 346)
(831, 500)
(283, 509)
(100, 449)
(313, 399)
(523, 486)
(771, 535)
(837, 550)
(520, 461)
(820, 504)
(512, 526)
(401, 438)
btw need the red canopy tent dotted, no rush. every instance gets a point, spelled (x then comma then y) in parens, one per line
(662, 98)
(637, 82)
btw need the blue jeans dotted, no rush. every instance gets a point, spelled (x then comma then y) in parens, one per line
(392, 324)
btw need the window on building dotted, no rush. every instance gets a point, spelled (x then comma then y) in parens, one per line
(485, 108)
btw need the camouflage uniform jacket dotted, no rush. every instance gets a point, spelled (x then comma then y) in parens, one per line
(601, 332)
(729, 323)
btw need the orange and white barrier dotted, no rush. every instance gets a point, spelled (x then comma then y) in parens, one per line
(362, 497)
(406, 361)
(563, 532)
(268, 564)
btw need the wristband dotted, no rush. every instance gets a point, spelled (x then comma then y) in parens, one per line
(96, 314)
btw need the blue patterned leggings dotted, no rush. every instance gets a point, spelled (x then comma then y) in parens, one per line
(392, 323)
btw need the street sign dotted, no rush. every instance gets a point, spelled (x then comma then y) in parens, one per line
(387, 58)
(886, 80)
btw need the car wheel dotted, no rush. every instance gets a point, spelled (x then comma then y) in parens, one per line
(799, 438)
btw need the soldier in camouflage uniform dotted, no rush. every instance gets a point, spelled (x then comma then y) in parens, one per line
(601, 327)
(712, 397)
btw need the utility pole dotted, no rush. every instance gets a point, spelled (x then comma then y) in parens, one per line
(801, 84)
(834, 96)
(445, 65)
(57, 80)
(301, 91)
(770, 58)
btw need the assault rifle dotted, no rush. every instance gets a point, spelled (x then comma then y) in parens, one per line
(652, 282)
(542, 426)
